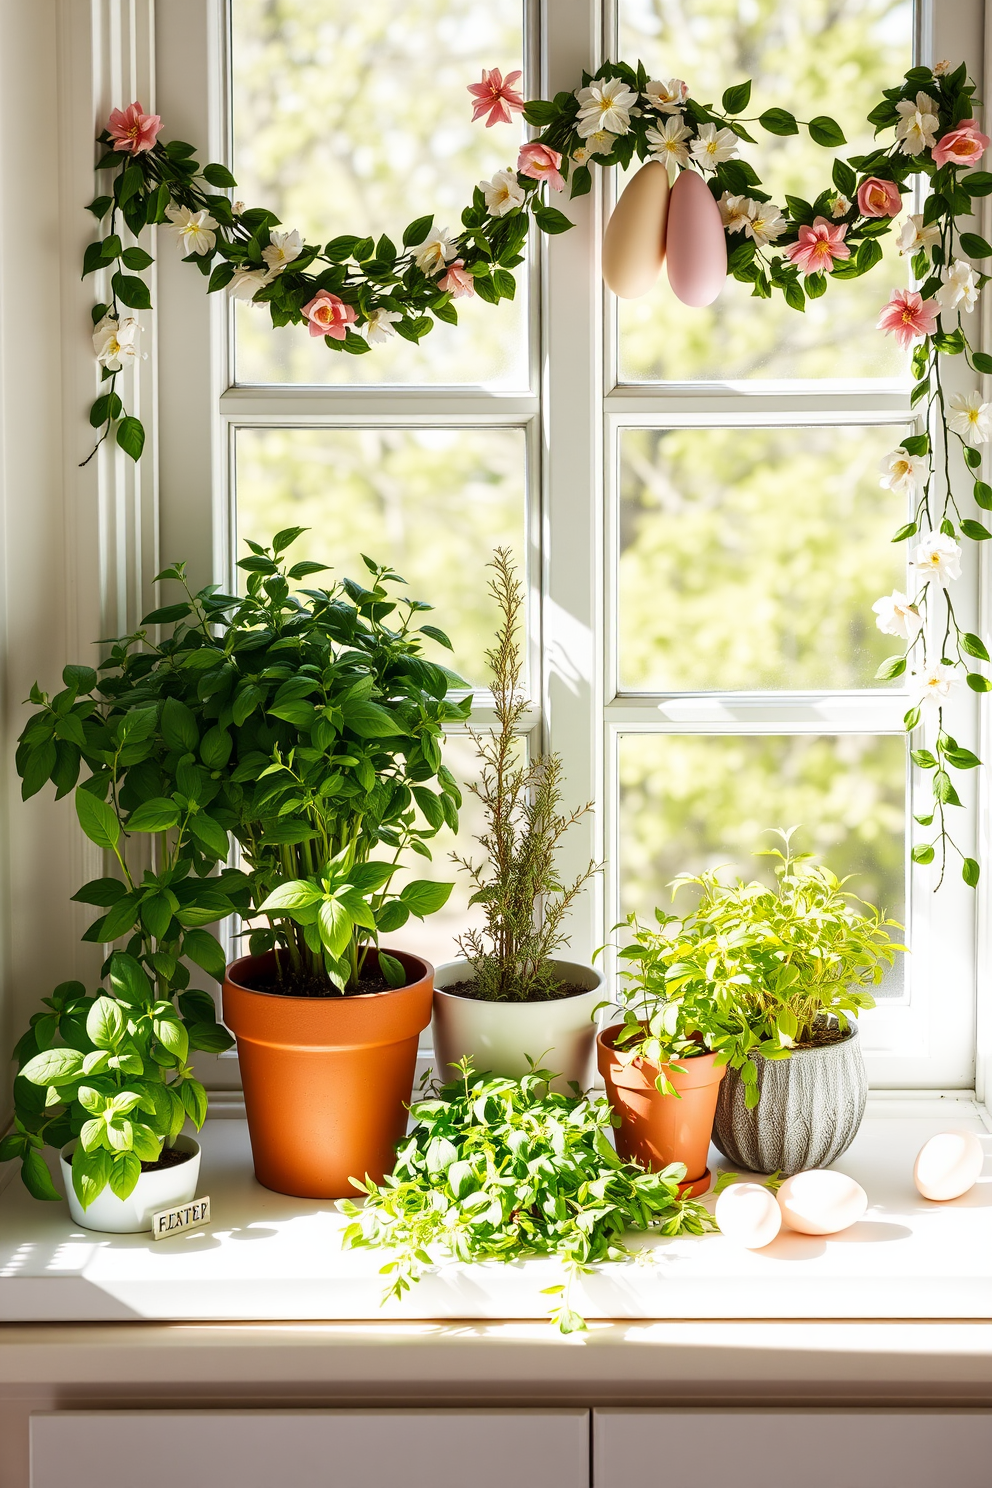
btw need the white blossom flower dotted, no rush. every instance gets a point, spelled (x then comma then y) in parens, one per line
(604, 105)
(971, 418)
(916, 234)
(735, 211)
(503, 193)
(935, 682)
(667, 97)
(237, 208)
(902, 473)
(434, 252)
(283, 248)
(713, 146)
(918, 123)
(600, 142)
(379, 326)
(941, 68)
(959, 290)
(581, 155)
(765, 223)
(668, 143)
(247, 282)
(839, 206)
(116, 342)
(897, 615)
(938, 557)
(194, 230)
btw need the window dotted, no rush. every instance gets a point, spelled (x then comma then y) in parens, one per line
(693, 495)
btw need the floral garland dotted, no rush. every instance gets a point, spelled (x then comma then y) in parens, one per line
(355, 292)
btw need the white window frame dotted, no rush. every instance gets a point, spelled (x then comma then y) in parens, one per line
(573, 417)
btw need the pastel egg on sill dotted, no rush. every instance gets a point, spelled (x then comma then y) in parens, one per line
(748, 1214)
(695, 245)
(948, 1165)
(634, 244)
(821, 1202)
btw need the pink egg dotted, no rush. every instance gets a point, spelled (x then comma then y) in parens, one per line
(634, 245)
(695, 244)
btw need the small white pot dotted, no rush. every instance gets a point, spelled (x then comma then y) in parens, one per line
(559, 1035)
(153, 1191)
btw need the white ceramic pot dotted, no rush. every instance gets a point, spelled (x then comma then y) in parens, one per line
(153, 1191)
(558, 1035)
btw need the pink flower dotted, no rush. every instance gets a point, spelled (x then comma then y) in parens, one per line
(819, 246)
(328, 316)
(541, 164)
(962, 146)
(495, 97)
(456, 282)
(878, 198)
(908, 315)
(133, 130)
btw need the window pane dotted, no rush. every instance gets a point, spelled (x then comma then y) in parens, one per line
(689, 802)
(811, 57)
(750, 558)
(355, 118)
(433, 503)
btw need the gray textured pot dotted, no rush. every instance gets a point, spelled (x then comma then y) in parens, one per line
(810, 1109)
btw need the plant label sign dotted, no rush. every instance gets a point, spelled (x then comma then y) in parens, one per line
(183, 1217)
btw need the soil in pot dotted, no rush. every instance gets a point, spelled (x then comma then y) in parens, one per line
(170, 1157)
(303, 984)
(562, 990)
(326, 1078)
(657, 1129)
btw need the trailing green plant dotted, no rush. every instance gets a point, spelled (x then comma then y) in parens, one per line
(498, 1169)
(751, 968)
(111, 1071)
(519, 886)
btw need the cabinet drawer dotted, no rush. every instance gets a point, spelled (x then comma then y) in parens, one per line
(310, 1449)
(792, 1448)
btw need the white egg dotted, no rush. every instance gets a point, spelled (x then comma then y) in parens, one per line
(821, 1202)
(748, 1214)
(948, 1165)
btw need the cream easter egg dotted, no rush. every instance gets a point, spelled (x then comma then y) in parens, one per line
(748, 1214)
(821, 1202)
(634, 245)
(948, 1165)
(695, 244)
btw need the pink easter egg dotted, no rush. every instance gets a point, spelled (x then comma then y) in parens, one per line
(695, 243)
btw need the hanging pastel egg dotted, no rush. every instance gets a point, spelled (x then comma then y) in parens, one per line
(634, 244)
(695, 243)
(948, 1165)
(748, 1214)
(821, 1202)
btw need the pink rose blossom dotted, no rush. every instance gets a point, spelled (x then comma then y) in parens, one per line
(819, 246)
(909, 316)
(328, 316)
(456, 282)
(540, 163)
(132, 129)
(495, 97)
(964, 145)
(879, 198)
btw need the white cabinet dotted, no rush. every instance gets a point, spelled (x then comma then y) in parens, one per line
(310, 1449)
(752, 1448)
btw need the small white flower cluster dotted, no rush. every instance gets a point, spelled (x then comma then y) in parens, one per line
(762, 221)
(116, 342)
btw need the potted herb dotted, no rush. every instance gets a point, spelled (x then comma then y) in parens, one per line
(306, 725)
(104, 1078)
(497, 1170)
(508, 999)
(771, 981)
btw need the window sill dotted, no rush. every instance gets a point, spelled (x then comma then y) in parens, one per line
(267, 1257)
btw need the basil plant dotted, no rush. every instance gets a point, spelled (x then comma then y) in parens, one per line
(303, 723)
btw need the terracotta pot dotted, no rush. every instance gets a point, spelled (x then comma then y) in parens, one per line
(498, 1036)
(658, 1129)
(326, 1079)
